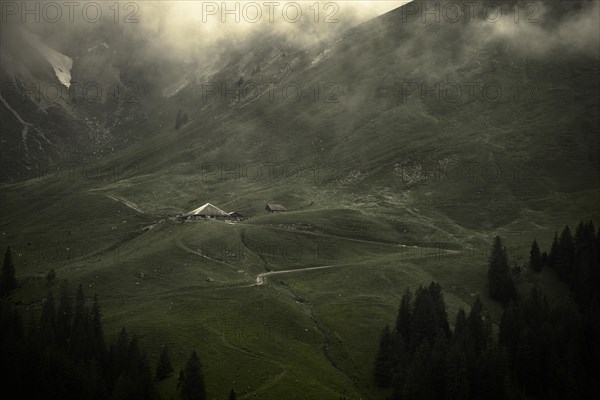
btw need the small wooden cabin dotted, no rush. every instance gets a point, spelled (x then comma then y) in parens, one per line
(236, 216)
(275, 208)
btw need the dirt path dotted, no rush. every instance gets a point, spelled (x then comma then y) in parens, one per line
(262, 277)
(199, 253)
(126, 202)
(261, 280)
(253, 354)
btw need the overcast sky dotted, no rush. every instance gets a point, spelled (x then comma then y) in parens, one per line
(207, 21)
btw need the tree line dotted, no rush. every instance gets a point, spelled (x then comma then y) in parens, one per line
(575, 259)
(62, 354)
(422, 358)
(538, 351)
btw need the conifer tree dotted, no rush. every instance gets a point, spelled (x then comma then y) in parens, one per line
(565, 256)
(535, 258)
(460, 336)
(435, 289)
(80, 316)
(124, 388)
(383, 368)
(553, 252)
(500, 284)
(423, 321)
(64, 314)
(36, 366)
(96, 324)
(419, 378)
(164, 367)
(139, 369)
(585, 265)
(8, 282)
(47, 323)
(50, 277)
(232, 395)
(192, 387)
(457, 379)
(478, 333)
(544, 259)
(437, 359)
(403, 318)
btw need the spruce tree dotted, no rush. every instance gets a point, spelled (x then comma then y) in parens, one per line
(584, 265)
(544, 259)
(47, 323)
(419, 377)
(80, 316)
(82, 340)
(124, 388)
(441, 317)
(192, 387)
(510, 325)
(96, 324)
(8, 282)
(437, 359)
(477, 329)
(139, 369)
(383, 368)
(553, 252)
(50, 277)
(403, 318)
(164, 367)
(36, 367)
(535, 258)
(423, 320)
(457, 378)
(500, 284)
(64, 314)
(565, 256)
(460, 334)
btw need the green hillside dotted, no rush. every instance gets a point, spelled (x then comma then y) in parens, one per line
(387, 187)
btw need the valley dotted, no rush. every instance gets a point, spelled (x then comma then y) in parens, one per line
(400, 147)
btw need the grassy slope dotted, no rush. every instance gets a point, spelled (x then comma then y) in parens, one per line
(313, 333)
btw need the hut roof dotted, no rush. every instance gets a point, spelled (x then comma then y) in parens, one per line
(276, 207)
(210, 210)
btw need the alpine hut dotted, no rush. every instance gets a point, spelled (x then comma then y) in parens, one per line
(207, 211)
(236, 216)
(275, 208)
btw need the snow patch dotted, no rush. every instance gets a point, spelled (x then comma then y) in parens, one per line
(95, 47)
(61, 63)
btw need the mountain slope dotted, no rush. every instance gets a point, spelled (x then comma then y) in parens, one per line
(391, 179)
(375, 107)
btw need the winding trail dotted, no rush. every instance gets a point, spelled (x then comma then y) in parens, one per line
(258, 356)
(260, 280)
(126, 202)
(199, 253)
(262, 277)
